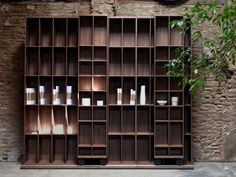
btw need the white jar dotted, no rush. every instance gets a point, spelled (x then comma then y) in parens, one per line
(174, 100)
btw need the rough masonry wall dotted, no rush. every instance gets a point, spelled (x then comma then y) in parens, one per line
(214, 113)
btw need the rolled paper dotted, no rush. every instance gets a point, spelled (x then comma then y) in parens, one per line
(42, 94)
(119, 96)
(69, 95)
(30, 96)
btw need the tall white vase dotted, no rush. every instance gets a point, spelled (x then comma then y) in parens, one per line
(142, 98)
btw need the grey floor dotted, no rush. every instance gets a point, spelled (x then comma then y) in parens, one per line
(206, 169)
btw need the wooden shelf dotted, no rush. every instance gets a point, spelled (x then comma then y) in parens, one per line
(96, 55)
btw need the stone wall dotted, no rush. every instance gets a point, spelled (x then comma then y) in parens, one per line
(213, 112)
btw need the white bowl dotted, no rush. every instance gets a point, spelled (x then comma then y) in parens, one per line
(161, 102)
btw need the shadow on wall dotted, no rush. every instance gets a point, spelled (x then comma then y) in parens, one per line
(172, 2)
(230, 146)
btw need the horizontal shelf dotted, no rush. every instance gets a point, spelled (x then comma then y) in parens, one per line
(89, 121)
(169, 145)
(93, 145)
(92, 156)
(168, 156)
(171, 121)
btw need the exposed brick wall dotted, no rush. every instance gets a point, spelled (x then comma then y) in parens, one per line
(213, 113)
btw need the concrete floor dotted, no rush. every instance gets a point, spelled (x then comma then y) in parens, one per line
(206, 169)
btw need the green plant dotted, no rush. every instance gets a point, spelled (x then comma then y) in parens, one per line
(219, 51)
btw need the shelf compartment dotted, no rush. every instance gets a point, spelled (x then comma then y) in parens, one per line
(85, 68)
(162, 83)
(115, 32)
(85, 113)
(44, 149)
(176, 113)
(86, 28)
(47, 83)
(32, 82)
(99, 151)
(46, 32)
(176, 133)
(59, 118)
(99, 113)
(99, 68)
(143, 148)
(99, 83)
(58, 149)
(72, 32)
(85, 151)
(31, 119)
(100, 30)
(73, 81)
(114, 83)
(72, 61)
(187, 150)
(187, 120)
(115, 63)
(176, 83)
(148, 82)
(162, 54)
(30, 149)
(71, 149)
(128, 122)
(161, 113)
(129, 32)
(162, 96)
(114, 119)
(144, 35)
(162, 31)
(45, 115)
(59, 32)
(161, 133)
(45, 61)
(85, 95)
(187, 96)
(99, 96)
(85, 133)
(128, 83)
(128, 148)
(85, 53)
(129, 61)
(99, 133)
(143, 120)
(32, 61)
(161, 151)
(61, 82)
(176, 39)
(161, 68)
(32, 33)
(114, 148)
(100, 53)
(85, 83)
(59, 61)
(72, 119)
(176, 151)
(143, 61)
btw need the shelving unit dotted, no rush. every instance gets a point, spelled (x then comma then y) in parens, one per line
(96, 55)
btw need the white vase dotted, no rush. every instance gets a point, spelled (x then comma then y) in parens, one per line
(142, 98)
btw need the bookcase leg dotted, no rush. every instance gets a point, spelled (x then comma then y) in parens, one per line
(157, 162)
(81, 161)
(180, 162)
(103, 162)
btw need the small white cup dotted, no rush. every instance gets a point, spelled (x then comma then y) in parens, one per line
(86, 101)
(99, 102)
(174, 101)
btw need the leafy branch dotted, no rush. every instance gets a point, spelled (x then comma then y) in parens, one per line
(219, 51)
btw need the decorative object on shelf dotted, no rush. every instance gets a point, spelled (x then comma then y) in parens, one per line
(69, 130)
(99, 102)
(42, 99)
(58, 129)
(30, 96)
(174, 100)
(69, 95)
(119, 96)
(161, 102)
(142, 98)
(132, 96)
(56, 99)
(86, 101)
